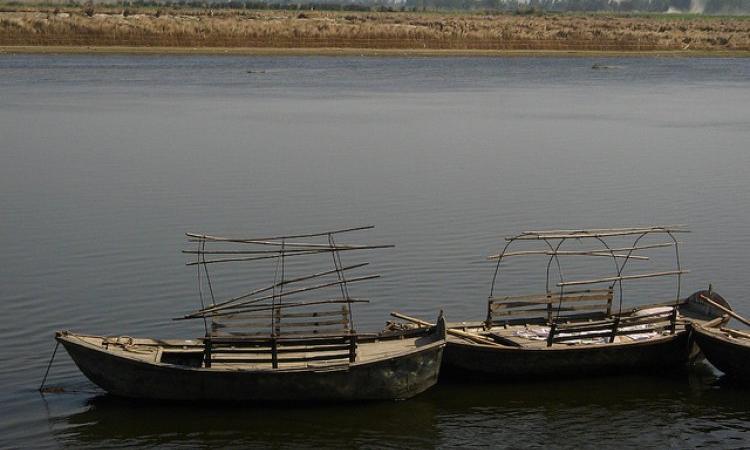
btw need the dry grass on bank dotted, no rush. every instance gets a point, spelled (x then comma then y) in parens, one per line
(402, 30)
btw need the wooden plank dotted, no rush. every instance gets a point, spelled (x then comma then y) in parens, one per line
(624, 277)
(580, 328)
(735, 333)
(333, 338)
(649, 329)
(583, 298)
(472, 337)
(516, 304)
(638, 318)
(572, 323)
(589, 335)
(586, 307)
(647, 321)
(518, 298)
(324, 357)
(319, 323)
(283, 325)
(519, 312)
(672, 303)
(245, 317)
(280, 349)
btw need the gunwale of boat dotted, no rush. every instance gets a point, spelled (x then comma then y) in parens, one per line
(728, 335)
(687, 314)
(525, 344)
(149, 351)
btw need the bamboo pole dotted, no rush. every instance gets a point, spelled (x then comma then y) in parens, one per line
(248, 252)
(585, 234)
(722, 308)
(267, 307)
(567, 253)
(284, 294)
(279, 284)
(472, 337)
(603, 251)
(673, 226)
(276, 238)
(207, 238)
(624, 277)
(276, 254)
(285, 253)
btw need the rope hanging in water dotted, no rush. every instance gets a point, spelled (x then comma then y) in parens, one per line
(44, 380)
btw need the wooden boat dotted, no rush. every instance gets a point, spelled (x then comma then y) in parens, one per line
(573, 331)
(726, 348)
(263, 346)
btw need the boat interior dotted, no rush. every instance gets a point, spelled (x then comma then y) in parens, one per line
(569, 313)
(582, 317)
(256, 353)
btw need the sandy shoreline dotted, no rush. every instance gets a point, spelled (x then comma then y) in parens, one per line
(275, 51)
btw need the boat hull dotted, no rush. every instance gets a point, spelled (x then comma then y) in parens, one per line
(397, 377)
(729, 356)
(501, 362)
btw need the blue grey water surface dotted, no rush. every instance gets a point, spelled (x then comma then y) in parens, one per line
(108, 160)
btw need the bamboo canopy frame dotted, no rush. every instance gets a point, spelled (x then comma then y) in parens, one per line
(555, 239)
(269, 306)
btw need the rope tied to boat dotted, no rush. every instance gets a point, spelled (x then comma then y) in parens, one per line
(49, 365)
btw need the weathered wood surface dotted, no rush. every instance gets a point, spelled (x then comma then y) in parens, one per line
(670, 348)
(472, 337)
(724, 309)
(504, 363)
(730, 355)
(389, 369)
(501, 309)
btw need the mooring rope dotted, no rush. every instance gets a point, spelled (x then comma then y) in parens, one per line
(44, 380)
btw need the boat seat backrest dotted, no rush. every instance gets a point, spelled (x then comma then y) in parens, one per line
(276, 351)
(548, 307)
(283, 335)
(632, 324)
(283, 323)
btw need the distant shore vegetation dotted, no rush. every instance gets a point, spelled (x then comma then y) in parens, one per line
(238, 24)
(708, 7)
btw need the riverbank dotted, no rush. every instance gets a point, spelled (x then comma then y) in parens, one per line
(78, 29)
(323, 51)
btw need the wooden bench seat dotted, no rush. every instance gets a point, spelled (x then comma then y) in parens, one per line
(278, 350)
(657, 322)
(545, 308)
(279, 336)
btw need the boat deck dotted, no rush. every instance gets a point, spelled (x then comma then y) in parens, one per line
(153, 351)
(535, 337)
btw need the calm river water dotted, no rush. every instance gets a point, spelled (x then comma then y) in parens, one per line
(108, 160)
